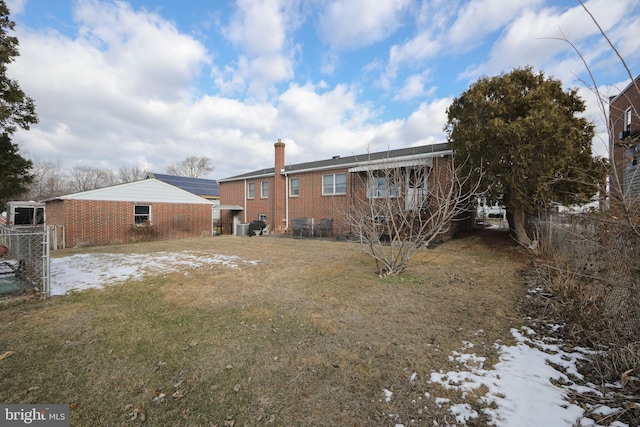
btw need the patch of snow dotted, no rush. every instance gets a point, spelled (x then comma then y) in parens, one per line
(463, 412)
(519, 385)
(84, 271)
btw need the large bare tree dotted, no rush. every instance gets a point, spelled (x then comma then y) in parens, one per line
(404, 209)
(49, 180)
(192, 166)
(85, 178)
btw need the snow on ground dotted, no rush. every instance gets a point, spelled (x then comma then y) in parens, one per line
(78, 272)
(519, 384)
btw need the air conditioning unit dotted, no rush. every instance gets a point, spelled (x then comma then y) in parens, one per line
(624, 134)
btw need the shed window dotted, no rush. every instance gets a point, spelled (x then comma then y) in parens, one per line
(142, 214)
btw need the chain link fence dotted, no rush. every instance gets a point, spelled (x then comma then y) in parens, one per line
(604, 257)
(24, 261)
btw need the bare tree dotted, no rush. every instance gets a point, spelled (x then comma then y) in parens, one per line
(193, 166)
(49, 180)
(404, 209)
(131, 173)
(123, 175)
(84, 178)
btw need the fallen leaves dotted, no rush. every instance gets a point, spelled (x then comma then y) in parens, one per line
(137, 414)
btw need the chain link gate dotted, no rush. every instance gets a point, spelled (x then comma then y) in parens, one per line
(24, 261)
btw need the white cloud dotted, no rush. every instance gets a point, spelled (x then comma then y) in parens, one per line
(415, 52)
(413, 87)
(258, 26)
(156, 56)
(260, 29)
(16, 6)
(478, 18)
(533, 39)
(355, 23)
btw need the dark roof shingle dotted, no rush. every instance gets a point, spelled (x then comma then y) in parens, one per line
(339, 161)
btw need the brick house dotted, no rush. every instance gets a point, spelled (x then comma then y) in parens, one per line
(148, 209)
(315, 190)
(624, 140)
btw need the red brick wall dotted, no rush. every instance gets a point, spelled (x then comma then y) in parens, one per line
(309, 203)
(96, 222)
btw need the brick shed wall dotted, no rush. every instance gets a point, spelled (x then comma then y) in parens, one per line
(97, 222)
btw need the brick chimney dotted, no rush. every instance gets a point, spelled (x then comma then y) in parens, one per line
(279, 187)
(279, 146)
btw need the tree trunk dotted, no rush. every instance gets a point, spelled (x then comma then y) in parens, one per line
(518, 226)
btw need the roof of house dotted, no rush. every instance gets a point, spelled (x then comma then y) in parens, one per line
(198, 186)
(423, 151)
(623, 91)
(150, 190)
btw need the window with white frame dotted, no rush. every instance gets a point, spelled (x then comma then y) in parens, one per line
(627, 119)
(142, 214)
(264, 189)
(334, 184)
(251, 190)
(262, 217)
(294, 187)
(381, 185)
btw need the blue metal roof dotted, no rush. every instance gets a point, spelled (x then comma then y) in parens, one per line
(199, 186)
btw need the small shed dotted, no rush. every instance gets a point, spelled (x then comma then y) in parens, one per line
(148, 209)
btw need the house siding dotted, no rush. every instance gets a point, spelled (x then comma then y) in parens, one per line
(99, 222)
(629, 177)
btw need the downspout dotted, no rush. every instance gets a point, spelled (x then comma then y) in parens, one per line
(245, 202)
(286, 199)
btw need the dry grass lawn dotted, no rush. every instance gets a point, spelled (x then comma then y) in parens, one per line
(307, 336)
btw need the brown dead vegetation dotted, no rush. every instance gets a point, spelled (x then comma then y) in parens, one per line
(308, 335)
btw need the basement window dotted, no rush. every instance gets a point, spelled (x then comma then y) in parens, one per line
(142, 214)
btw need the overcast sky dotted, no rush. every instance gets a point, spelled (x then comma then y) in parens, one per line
(151, 82)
